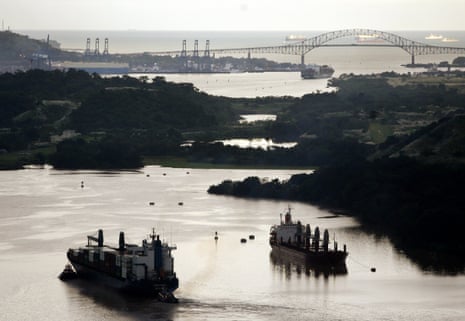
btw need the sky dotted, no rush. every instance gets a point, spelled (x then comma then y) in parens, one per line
(222, 15)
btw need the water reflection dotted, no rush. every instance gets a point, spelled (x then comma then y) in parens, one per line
(284, 265)
(251, 118)
(263, 143)
(82, 292)
(441, 263)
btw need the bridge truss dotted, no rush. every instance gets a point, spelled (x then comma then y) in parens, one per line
(413, 48)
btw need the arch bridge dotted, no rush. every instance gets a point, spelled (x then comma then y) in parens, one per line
(301, 48)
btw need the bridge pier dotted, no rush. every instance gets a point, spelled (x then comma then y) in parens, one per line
(302, 60)
(413, 59)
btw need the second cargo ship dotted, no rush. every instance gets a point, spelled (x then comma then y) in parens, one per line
(294, 240)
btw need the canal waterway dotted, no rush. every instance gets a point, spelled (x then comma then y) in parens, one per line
(46, 211)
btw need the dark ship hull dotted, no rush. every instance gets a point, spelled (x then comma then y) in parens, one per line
(141, 287)
(311, 258)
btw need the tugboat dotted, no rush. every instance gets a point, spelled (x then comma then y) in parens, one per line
(293, 240)
(146, 269)
(68, 273)
(317, 71)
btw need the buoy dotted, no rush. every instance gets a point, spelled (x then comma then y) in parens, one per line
(187, 172)
(82, 184)
(216, 236)
(164, 174)
(152, 203)
(373, 269)
(147, 175)
(180, 203)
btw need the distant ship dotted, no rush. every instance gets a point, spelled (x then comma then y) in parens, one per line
(145, 269)
(433, 36)
(294, 240)
(295, 38)
(374, 38)
(449, 40)
(317, 71)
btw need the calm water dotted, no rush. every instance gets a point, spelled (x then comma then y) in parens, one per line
(45, 211)
(357, 60)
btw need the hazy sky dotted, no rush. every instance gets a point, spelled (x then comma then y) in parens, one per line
(233, 14)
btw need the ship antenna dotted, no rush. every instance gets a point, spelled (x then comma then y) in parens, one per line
(152, 236)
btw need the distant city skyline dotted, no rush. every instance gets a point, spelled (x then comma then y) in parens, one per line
(232, 15)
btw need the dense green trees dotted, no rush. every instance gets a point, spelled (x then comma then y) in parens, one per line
(111, 152)
(357, 100)
(37, 104)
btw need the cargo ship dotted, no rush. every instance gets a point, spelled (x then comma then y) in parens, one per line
(317, 71)
(433, 36)
(146, 269)
(295, 241)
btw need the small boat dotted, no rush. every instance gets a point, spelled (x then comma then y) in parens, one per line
(251, 237)
(167, 297)
(294, 240)
(68, 273)
(243, 240)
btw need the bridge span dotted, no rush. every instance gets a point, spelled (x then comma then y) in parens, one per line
(301, 48)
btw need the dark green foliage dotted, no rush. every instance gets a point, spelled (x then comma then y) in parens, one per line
(112, 152)
(142, 109)
(50, 85)
(36, 104)
(328, 115)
